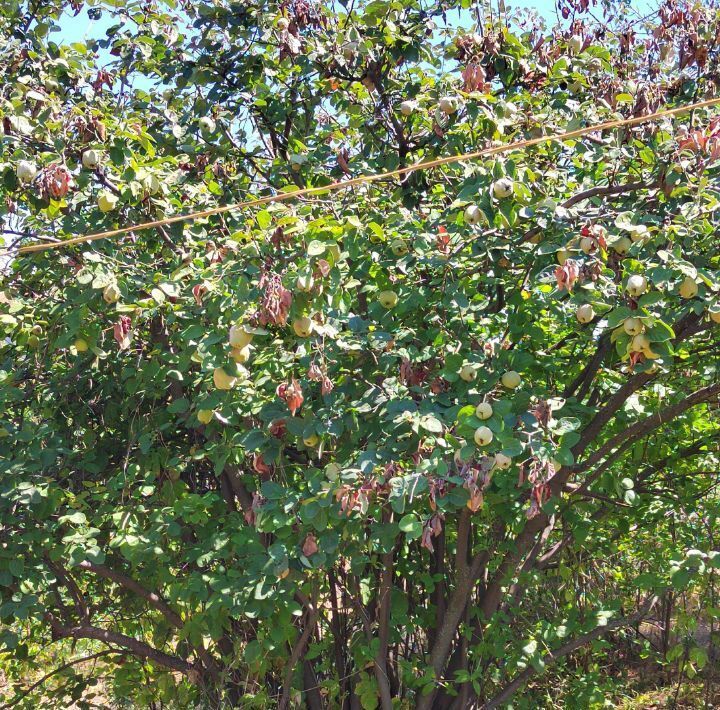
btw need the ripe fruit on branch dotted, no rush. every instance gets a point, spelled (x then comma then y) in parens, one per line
(575, 44)
(388, 299)
(714, 313)
(407, 108)
(483, 436)
(241, 355)
(206, 124)
(502, 462)
(511, 379)
(111, 293)
(641, 344)
(311, 441)
(633, 326)
(107, 201)
(205, 415)
(588, 245)
(622, 245)
(239, 337)
(585, 313)
(636, 285)
(90, 159)
(468, 373)
(303, 327)
(448, 105)
(504, 187)
(26, 171)
(688, 288)
(222, 380)
(484, 410)
(473, 214)
(399, 247)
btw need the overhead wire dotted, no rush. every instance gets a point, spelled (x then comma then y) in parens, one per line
(369, 178)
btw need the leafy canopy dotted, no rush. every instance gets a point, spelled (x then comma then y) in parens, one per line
(243, 456)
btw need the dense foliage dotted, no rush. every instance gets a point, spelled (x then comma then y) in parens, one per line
(426, 442)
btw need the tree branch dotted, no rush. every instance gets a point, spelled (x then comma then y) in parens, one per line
(297, 652)
(155, 601)
(641, 428)
(59, 669)
(553, 657)
(138, 648)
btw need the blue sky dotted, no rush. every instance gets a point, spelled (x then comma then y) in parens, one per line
(79, 28)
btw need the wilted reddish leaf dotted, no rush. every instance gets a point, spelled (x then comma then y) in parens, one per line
(275, 302)
(310, 546)
(198, 291)
(427, 537)
(327, 386)
(260, 466)
(566, 275)
(121, 332)
(475, 502)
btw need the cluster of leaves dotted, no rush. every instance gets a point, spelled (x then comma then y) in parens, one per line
(247, 448)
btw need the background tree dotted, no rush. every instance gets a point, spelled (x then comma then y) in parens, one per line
(426, 442)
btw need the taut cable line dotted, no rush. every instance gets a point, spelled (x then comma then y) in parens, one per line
(362, 179)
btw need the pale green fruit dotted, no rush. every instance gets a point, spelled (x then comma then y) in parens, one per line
(111, 293)
(448, 105)
(633, 326)
(511, 379)
(622, 245)
(637, 285)
(303, 327)
(222, 380)
(241, 355)
(26, 171)
(483, 436)
(473, 215)
(484, 410)
(311, 441)
(388, 299)
(468, 373)
(407, 108)
(575, 44)
(205, 415)
(206, 124)
(588, 245)
(107, 200)
(90, 159)
(688, 288)
(502, 462)
(239, 337)
(503, 187)
(585, 313)
(399, 247)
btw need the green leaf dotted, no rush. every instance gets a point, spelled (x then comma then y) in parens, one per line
(411, 526)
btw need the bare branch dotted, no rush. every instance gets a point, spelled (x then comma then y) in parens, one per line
(553, 657)
(138, 648)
